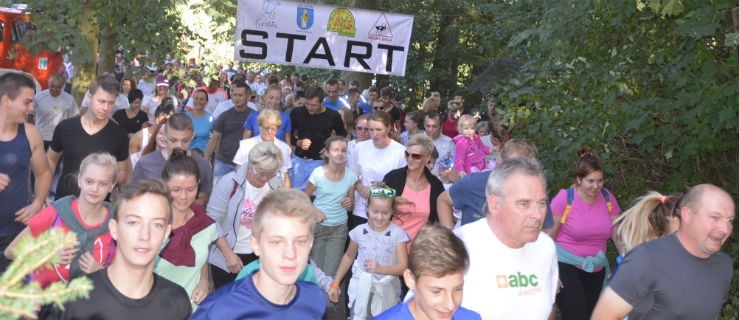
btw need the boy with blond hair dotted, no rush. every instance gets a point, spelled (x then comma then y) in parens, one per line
(282, 236)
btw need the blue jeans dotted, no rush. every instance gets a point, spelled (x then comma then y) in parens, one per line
(328, 247)
(220, 169)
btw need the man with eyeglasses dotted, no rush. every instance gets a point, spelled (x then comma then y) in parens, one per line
(513, 265)
(443, 144)
(178, 132)
(684, 275)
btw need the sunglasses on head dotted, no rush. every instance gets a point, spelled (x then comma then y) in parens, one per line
(382, 191)
(414, 156)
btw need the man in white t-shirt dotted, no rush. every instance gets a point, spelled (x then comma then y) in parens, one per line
(51, 106)
(513, 265)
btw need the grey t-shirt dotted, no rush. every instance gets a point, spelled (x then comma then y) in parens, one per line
(662, 280)
(231, 126)
(151, 165)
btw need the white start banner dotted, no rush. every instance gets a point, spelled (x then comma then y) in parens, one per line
(322, 36)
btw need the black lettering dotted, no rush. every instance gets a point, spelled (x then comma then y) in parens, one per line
(359, 56)
(290, 43)
(254, 44)
(326, 56)
(390, 49)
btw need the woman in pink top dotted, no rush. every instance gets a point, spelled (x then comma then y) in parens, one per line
(583, 216)
(416, 184)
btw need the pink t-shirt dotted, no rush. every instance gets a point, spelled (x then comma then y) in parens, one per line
(412, 217)
(588, 226)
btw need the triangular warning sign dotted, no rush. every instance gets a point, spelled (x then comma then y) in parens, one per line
(381, 28)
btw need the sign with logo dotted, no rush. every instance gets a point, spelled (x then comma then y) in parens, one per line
(43, 63)
(322, 36)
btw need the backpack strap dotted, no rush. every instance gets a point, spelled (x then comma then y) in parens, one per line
(568, 208)
(571, 197)
(609, 204)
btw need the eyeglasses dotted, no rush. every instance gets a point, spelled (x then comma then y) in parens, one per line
(363, 129)
(414, 156)
(262, 176)
(382, 191)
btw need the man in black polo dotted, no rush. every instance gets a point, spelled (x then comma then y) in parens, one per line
(312, 125)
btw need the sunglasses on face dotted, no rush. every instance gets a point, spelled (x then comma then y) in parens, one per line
(382, 191)
(414, 156)
(363, 129)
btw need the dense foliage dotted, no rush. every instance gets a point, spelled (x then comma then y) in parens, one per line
(652, 86)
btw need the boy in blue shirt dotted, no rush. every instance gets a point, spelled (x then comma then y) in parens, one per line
(436, 265)
(282, 236)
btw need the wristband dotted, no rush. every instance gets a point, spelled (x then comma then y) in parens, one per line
(334, 286)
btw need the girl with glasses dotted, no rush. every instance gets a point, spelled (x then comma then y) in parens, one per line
(377, 255)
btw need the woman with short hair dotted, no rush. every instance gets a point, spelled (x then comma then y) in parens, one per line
(232, 205)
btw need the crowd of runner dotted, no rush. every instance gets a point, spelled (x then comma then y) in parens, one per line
(241, 194)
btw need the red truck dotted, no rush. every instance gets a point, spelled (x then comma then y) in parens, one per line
(14, 25)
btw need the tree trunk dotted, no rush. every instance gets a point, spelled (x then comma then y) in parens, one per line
(107, 52)
(85, 70)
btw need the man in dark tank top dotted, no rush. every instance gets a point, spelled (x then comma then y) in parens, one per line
(21, 150)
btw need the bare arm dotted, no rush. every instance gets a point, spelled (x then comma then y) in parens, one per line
(309, 189)
(9, 249)
(134, 143)
(444, 210)
(401, 253)
(552, 231)
(611, 306)
(53, 158)
(247, 134)
(346, 261)
(286, 183)
(40, 166)
(213, 144)
(122, 172)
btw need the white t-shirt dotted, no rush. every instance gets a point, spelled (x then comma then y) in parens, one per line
(507, 283)
(146, 87)
(242, 155)
(372, 164)
(252, 197)
(49, 111)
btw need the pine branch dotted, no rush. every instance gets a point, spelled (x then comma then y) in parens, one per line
(20, 299)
